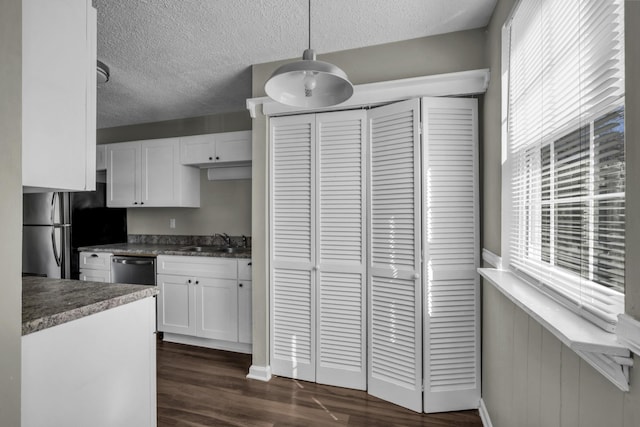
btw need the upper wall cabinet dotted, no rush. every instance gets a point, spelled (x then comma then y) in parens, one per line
(58, 95)
(218, 149)
(149, 174)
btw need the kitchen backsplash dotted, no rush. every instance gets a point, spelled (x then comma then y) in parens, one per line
(165, 239)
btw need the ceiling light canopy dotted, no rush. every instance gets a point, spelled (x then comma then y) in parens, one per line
(309, 83)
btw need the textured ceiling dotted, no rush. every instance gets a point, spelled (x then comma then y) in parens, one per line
(172, 59)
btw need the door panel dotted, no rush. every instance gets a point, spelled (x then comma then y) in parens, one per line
(159, 184)
(451, 242)
(38, 252)
(293, 247)
(176, 305)
(340, 295)
(293, 337)
(217, 309)
(234, 147)
(394, 306)
(123, 174)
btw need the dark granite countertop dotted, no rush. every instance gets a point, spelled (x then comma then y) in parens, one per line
(50, 302)
(146, 249)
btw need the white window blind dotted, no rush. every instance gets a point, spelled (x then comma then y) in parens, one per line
(565, 130)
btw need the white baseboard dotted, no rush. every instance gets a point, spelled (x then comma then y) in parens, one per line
(236, 347)
(260, 373)
(484, 415)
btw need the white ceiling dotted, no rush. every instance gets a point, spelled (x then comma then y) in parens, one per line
(172, 59)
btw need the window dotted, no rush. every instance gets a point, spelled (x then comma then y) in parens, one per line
(565, 152)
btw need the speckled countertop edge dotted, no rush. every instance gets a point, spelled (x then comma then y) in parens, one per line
(51, 302)
(145, 249)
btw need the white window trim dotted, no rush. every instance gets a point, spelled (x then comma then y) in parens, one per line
(608, 353)
(599, 348)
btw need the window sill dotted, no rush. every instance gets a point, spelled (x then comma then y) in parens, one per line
(598, 348)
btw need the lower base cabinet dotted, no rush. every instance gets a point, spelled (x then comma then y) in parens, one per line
(95, 266)
(203, 302)
(97, 371)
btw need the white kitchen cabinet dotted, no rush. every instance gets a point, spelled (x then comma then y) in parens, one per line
(176, 304)
(203, 302)
(217, 308)
(95, 266)
(245, 318)
(218, 149)
(58, 95)
(98, 370)
(149, 174)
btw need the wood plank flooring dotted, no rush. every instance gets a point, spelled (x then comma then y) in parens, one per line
(203, 387)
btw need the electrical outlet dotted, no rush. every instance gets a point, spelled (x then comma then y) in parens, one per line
(172, 223)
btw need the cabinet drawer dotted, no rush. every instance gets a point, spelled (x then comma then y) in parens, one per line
(95, 260)
(194, 266)
(95, 275)
(244, 269)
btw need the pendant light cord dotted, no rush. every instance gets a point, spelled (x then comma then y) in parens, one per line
(309, 24)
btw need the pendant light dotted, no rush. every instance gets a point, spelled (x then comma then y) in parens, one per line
(309, 83)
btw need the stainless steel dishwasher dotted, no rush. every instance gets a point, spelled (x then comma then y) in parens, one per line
(133, 269)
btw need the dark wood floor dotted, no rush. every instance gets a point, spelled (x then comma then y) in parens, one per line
(202, 387)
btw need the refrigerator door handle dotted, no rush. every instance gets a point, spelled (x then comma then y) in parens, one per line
(54, 197)
(54, 246)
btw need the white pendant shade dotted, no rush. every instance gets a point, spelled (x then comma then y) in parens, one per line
(309, 83)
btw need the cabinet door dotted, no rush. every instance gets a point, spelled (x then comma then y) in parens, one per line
(95, 260)
(244, 269)
(197, 149)
(176, 304)
(95, 275)
(58, 94)
(245, 319)
(233, 147)
(123, 174)
(216, 308)
(159, 175)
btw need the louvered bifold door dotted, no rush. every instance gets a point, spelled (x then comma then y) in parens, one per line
(341, 239)
(292, 247)
(451, 242)
(394, 299)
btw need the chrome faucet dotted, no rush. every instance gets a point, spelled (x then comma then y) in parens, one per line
(225, 237)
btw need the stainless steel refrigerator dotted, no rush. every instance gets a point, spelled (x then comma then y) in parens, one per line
(56, 224)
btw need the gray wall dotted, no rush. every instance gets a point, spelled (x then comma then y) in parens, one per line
(528, 376)
(225, 205)
(446, 53)
(10, 209)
